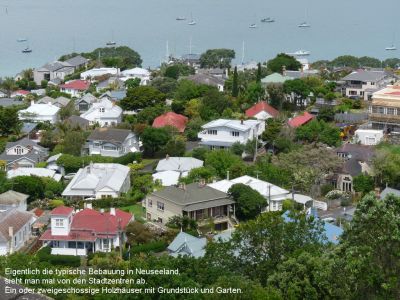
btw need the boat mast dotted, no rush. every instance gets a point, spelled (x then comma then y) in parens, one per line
(242, 52)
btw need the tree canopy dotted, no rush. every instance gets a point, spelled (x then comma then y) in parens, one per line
(217, 58)
(248, 202)
(276, 64)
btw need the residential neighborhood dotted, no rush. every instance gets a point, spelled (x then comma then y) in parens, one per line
(247, 171)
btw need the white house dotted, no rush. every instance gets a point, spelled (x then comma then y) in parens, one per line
(12, 199)
(96, 72)
(39, 172)
(112, 142)
(105, 113)
(363, 83)
(142, 74)
(223, 133)
(15, 230)
(273, 194)
(81, 232)
(40, 113)
(368, 136)
(99, 181)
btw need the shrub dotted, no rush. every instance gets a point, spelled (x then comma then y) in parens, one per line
(152, 247)
(55, 203)
(58, 260)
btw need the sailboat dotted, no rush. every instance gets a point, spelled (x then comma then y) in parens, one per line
(253, 26)
(22, 40)
(27, 50)
(192, 22)
(304, 24)
(112, 42)
(180, 18)
(392, 47)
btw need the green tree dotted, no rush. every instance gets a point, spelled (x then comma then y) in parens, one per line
(363, 183)
(154, 139)
(217, 58)
(9, 121)
(213, 103)
(73, 142)
(142, 97)
(326, 114)
(276, 64)
(197, 174)
(132, 83)
(8, 85)
(248, 202)
(368, 257)
(30, 185)
(319, 131)
(176, 146)
(259, 73)
(165, 85)
(221, 161)
(235, 84)
(276, 95)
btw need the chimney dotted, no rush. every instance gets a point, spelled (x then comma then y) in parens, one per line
(241, 121)
(202, 182)
(112, 211)
(88, 205)
(32, 102)
(102, 210)
(167, 157)
(182, 186)
(11, 231)
(227, 175)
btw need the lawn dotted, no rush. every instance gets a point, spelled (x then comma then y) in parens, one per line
(137, 210)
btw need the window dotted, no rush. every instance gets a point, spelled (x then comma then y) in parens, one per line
(235, 133)
(113, 148)
(15, 241)
(96, 144)
(18, 150)
(106, 244)
(212, 132)
(150, 203)
(160, 206)
(381, 110)
(148, 216)
(390, 111)
(101, 109)
(59, 222)
(159, 220)
(56, 244)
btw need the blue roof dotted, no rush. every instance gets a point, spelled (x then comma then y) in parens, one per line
(118, 95)
(28, 127)
(332, 232)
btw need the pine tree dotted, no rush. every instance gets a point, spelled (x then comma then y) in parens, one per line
(235, 88)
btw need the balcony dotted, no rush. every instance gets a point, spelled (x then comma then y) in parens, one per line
(384, 118)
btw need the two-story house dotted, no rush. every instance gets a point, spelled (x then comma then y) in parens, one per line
(361, 84)
(99, 181)
(112, 142)
(75, 88)
(85, 102)
(23, 154)
(85, 231)
(40, 113)
(384, 110)
(357, 160)
(15, 230)
(105, 113)
(196, 201)
(223, 133)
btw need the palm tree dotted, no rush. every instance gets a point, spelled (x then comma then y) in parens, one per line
(8, 85)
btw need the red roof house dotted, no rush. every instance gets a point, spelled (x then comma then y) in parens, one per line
(20, 93)
(87, 230)
(75, 87)
(171, 119)
(300, 120)
(262, 111)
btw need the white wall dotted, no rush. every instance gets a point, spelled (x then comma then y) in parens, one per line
(64, 230)
(368, 136)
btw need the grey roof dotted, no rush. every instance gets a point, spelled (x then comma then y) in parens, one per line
(109, 135)
(387, 191)
(193, 193)
(208, 204)
(77, 121)
(206, 79)
(28, 127)
(77, 61)
(12, 197)
(54, 66)
(13, 218)
(186, 244)
(360, 152)
(364, 75)
(180, 164)
(118, 95)
(37, 153)
(45, 100)
(63, 101)
(7, 102)
(89, 98)
(302, 74)
(216, 143)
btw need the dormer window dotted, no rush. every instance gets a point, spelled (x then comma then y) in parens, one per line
(59, 222)
(101, 109)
